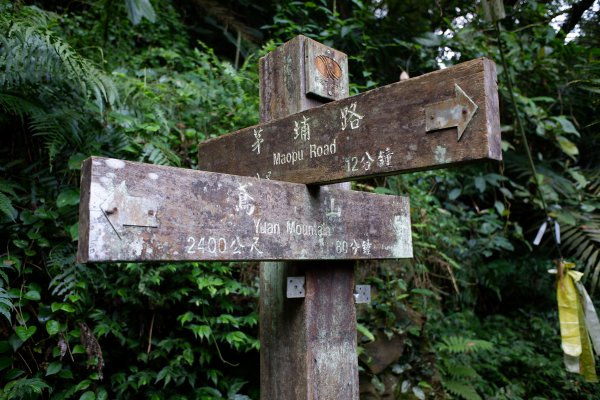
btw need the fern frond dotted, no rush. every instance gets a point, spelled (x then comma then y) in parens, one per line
(459, 344)
(159, 153)
(462, 389)
(25, 388)
(16, 105)
(46, 83)
(6, 305)
(583, 243)
(459, 370)
(6, 207)
(61, 258)
(31, 57)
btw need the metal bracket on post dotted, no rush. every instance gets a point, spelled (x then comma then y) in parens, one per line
(362, 294)
(295, 287)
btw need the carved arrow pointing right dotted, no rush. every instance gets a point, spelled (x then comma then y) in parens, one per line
(449, 113)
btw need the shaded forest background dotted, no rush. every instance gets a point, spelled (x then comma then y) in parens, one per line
(472, 316)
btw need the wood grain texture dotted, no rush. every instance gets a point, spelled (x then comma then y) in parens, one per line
(380, 132)
(141, 212)
(308, 346)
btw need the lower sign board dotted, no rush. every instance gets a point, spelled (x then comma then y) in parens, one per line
(141, 212)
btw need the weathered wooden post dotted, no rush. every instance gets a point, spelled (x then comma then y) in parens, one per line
(443, 118)
(138, 212)
(308, 346)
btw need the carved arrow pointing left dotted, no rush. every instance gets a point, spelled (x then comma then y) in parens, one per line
(450, 113)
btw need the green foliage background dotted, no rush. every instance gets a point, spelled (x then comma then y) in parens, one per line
(147, 81)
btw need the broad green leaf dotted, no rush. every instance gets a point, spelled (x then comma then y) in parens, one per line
(151, 127)
(62, 306)
(187, 317)
(201, 331)
(25, 333)
(188, 356)
(76, 160)
(418, 392)
(32, 295)
(579, 178)
(363, 330)
(499, 207)
(27, 217)
(138, 9)
(53, 368)
(69, 197)
(66, 374)
(44, 213)
(568, 147)
(52, 327)
(422, 291)
(454, 194)
(102, 394)
(507, 193)
(78, 349)
(84, 384)
(566, 125)
(89, 395)
(20, 243)
(480, 183)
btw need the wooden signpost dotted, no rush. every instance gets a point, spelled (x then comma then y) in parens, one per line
(139, 212)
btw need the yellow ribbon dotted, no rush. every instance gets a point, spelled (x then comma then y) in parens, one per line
(576, 343)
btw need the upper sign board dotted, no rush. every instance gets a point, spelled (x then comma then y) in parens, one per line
(435, 120)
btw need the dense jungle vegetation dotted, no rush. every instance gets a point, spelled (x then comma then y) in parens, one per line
(472, 316)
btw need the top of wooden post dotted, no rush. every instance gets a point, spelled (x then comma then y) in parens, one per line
(301, 74)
